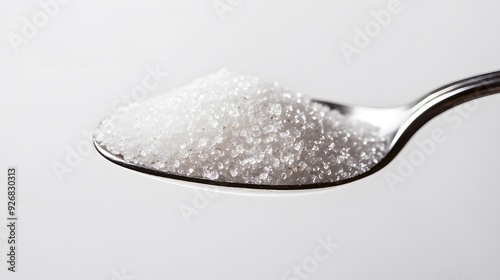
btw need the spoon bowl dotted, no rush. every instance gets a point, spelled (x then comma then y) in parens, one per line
(397, 125)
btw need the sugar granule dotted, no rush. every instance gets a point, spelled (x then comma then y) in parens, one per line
(236, 128)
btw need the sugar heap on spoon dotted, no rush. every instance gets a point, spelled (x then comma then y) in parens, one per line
(236, 128)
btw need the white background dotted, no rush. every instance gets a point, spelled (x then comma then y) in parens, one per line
(101, 221)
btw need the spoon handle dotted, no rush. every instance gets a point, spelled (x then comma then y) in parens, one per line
(442, 99)
(456, 93)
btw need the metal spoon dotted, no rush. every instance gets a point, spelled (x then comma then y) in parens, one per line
(397, 125)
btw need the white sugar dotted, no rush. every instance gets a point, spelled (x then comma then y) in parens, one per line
(236, 128)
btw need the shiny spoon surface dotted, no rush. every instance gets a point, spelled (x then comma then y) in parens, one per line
(397, 125)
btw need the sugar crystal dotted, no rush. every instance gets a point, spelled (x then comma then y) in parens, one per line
(237, 128)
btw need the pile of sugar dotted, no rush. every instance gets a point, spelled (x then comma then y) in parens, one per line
(236, 128)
